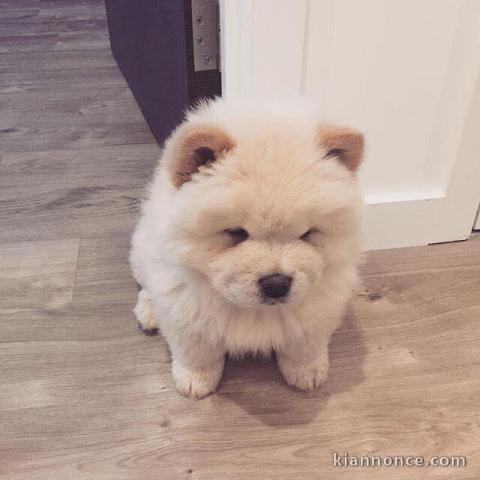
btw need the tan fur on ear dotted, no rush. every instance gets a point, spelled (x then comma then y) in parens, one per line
(344, 143)
(196, 145)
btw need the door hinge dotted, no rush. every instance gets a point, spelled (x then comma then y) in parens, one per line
(205, 23)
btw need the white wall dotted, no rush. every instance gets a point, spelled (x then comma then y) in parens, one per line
(404, 72)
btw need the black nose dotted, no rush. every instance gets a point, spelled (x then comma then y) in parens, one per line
(275, 286)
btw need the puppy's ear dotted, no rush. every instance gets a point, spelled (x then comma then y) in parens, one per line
(344, 143)
(194, 146)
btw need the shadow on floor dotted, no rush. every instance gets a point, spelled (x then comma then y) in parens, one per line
(257, 386)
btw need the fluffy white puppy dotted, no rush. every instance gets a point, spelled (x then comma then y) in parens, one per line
(249, 240)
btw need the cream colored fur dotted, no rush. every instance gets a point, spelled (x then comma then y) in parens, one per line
(276, 181)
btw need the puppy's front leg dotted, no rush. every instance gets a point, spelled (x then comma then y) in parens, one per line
(304, 364)
(198, 370)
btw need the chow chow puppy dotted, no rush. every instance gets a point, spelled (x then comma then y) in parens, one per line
(249, 240)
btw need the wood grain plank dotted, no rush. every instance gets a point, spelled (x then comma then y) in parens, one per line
(73, 193)
(63, 5)
(66, 323)
(79, 119)
(434, 257)
(37, 274)
(454, 292)
(80, 41)
(103, 274)
(85, 107)
(49, 82)
(53, 61)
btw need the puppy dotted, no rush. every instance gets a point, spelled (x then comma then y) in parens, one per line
(249, 240)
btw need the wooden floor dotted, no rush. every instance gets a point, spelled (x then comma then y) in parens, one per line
(84, 395)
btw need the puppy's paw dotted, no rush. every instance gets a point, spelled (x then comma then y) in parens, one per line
(145, 315)
(304, 376)
(196, 383)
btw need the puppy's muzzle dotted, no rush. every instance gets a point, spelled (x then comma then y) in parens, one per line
(275, 288)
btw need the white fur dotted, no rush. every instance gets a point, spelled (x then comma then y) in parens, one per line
(276, 184)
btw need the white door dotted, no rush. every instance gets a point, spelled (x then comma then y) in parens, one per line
(405, 72)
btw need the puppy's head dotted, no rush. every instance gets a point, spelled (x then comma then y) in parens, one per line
(263, 210)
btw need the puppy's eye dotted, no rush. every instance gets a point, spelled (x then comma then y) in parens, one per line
(238, 235)
(306, 236)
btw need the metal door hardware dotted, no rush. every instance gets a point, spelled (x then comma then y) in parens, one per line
(205, 34)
